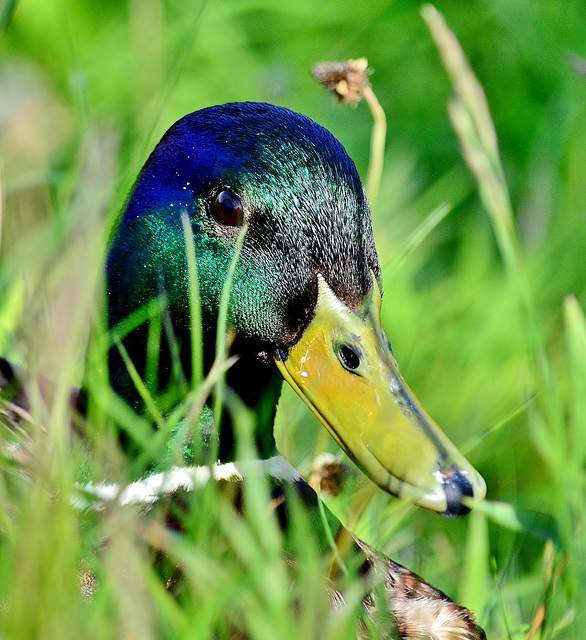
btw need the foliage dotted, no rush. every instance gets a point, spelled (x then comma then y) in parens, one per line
(484, 302)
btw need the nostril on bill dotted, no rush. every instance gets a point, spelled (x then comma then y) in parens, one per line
(456, 486)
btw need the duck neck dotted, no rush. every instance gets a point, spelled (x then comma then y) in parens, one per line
(258, 386)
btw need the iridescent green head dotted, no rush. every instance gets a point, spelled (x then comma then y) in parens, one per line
(302, 203)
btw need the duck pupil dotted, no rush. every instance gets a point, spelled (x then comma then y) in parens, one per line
(349, 358)
(228, 209)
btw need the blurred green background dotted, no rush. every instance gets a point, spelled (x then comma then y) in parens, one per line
(87, 89)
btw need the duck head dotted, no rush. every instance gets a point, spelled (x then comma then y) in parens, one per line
(306, 293)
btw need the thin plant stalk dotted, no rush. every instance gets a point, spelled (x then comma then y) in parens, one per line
(6, 12)
(222, 334)
(377, 145)
(473, 124)
(194, 305)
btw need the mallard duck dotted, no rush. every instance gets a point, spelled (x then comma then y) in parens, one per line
(305, 299)
(304, 307)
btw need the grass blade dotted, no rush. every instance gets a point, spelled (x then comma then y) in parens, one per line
(6, 14)
(194, 305)
(418, 236)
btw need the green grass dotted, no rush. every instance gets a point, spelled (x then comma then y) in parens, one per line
(484, 303)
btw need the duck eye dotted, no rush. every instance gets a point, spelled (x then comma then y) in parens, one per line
(349, 357)
(228, 209)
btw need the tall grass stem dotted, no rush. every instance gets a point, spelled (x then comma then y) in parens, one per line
(377, 146)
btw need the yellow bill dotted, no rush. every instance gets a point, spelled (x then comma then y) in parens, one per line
(343, 368)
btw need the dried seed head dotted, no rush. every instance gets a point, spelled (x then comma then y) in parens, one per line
(346, 80)
(327, 474)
